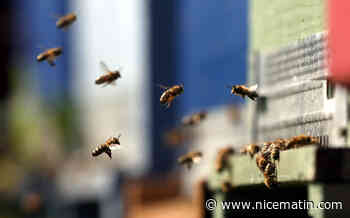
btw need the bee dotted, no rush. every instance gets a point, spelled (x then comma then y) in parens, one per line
(270, 170)
(194, 118)
(270, 181)
(222, 158)
(109, 77)
(65, 21)
(226, 186)
(241, 90)
(275, 152)
(170, 93)
(301, 140)
(251, 149)
(49, 55)
(107, 147)
(190, 158)
(270, 175)
(261, 162)
(282, 143)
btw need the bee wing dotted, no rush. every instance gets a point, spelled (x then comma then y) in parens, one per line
(253, 87)
(113, 83)
(104, 85)
(197, 159)
(104, 67)
(51, 60)
(115, 147)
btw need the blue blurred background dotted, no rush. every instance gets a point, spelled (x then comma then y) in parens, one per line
(54, 116)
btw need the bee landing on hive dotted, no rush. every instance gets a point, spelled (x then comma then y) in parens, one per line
(190, 158)
(170, 93)
(107, 147)
(109, 77)
(301, 140)
(270, 154)
(243, 91)
(49, 55)
(65, 21)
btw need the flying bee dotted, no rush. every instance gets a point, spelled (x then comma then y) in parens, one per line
(222, 158)
(49, 55)
(190, 158)
(251, 149)
(65, 21)
(107, 147)
(241, 90)
(109, 77)
(194, 118)
(170, 93)
(301, 140)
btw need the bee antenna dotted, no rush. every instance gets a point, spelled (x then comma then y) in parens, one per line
(161, 86)
(119, 135)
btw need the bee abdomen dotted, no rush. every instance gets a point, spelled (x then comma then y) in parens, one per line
(99, 150)
(41, 57)
(164, 98)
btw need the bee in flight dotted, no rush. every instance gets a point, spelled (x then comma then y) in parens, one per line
(190, 158)
(170, 93)
(194, 119)
(222, 158)
(109, 77)
(65, 21)
(243, 91)
(107, 147)
(251, 149)
(49, 55)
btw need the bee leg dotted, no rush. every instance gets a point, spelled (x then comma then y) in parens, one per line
(189, 165)
(51, 62)
(109, 153)
(252, 97)
(106, 84)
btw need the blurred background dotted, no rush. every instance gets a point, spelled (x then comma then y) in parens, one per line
(53, 117)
